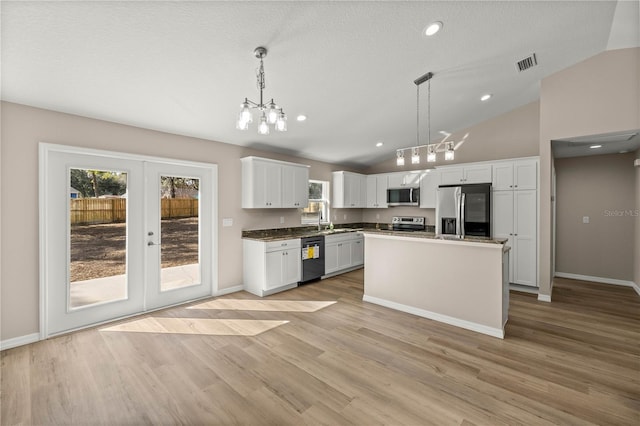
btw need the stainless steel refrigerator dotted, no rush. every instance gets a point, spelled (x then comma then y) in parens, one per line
(464, 210)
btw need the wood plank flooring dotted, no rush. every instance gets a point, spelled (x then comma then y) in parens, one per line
(239, 359)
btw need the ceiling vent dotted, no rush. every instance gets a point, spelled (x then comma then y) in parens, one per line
(526, 63)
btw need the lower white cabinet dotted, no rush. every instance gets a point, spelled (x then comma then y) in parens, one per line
(343, 252)
(270, 267)
(515, 218)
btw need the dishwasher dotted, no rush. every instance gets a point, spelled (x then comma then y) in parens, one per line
(312, 258)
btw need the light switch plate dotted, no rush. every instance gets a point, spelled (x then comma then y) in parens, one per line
(585, 219)
(227, 222)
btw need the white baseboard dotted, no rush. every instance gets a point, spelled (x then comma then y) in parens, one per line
(601, 280)
(491, 331)
(229, 290)
(523, 288)
(544, 297)
(19, 341)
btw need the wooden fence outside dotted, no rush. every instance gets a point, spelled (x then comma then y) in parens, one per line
(90, 211)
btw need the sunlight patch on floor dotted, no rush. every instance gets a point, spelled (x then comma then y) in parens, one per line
(264, 305)
(202, 326)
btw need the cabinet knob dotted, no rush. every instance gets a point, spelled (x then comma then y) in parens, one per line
(516, 186)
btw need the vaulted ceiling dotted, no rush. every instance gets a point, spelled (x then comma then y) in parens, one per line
(185, 67)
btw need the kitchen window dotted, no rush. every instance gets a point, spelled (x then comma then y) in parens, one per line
(318, 203)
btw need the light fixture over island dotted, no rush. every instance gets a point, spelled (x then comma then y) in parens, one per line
(462, 282)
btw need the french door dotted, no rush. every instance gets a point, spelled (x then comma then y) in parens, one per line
(121, 235)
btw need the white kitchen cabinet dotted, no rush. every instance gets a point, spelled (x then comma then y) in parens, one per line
(343, 252)
(517, 174)
(357, 251)
(402, 179)
(270, 183)
(349, 190)
(515, 218)
(295, 186)
(430, 179)
(270, 267)
(453, 175)
(377, 191)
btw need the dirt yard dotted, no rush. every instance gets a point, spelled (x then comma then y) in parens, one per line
(99, 250)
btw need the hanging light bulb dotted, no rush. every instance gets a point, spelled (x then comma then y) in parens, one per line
(281, 122)
(449, 154)
(400, 158)
(431, 154)
(263, 127)
(272, 112)
(415, 155)
(244, 117)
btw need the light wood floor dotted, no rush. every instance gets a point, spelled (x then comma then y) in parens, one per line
(235, 361)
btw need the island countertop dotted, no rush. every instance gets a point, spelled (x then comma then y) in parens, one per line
(434, 236)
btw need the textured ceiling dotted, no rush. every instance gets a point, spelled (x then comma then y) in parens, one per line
(184, 67)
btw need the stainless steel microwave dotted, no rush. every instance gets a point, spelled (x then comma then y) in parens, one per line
(406, 196)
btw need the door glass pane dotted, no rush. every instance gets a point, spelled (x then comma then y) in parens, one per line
(179, 232)
(98, 237)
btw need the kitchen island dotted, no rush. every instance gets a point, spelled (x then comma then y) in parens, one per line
(462, 282)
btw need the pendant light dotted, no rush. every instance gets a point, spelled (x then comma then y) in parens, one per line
(270, 113)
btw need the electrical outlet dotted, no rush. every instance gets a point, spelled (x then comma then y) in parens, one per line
(281, 219)
(345, 216)
(227, 222)
(585, 219)
(377, 215)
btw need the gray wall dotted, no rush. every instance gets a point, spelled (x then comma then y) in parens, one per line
(636, 272)
(603, 188)
(598, 95)
(24, 127)
(510, 135)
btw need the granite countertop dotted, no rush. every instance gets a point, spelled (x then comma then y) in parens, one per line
(301, 232)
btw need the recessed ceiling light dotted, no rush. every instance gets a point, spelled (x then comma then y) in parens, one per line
(595, 146)
(379, 144)
(486, 97)
(433, 28)
(301, 117)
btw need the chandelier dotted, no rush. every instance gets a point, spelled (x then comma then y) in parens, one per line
(270, 113)
(448, 148)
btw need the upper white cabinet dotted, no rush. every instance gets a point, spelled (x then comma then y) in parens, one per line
(517, 174)
(295, 186)
(349, 190)
(377, 191)
(274, 184)
(430, 179)
(453, 175)
(401, 179)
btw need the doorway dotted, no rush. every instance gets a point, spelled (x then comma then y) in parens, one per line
(121, 234)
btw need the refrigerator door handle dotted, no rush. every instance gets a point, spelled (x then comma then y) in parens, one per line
(463, 196)
(458, 201)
